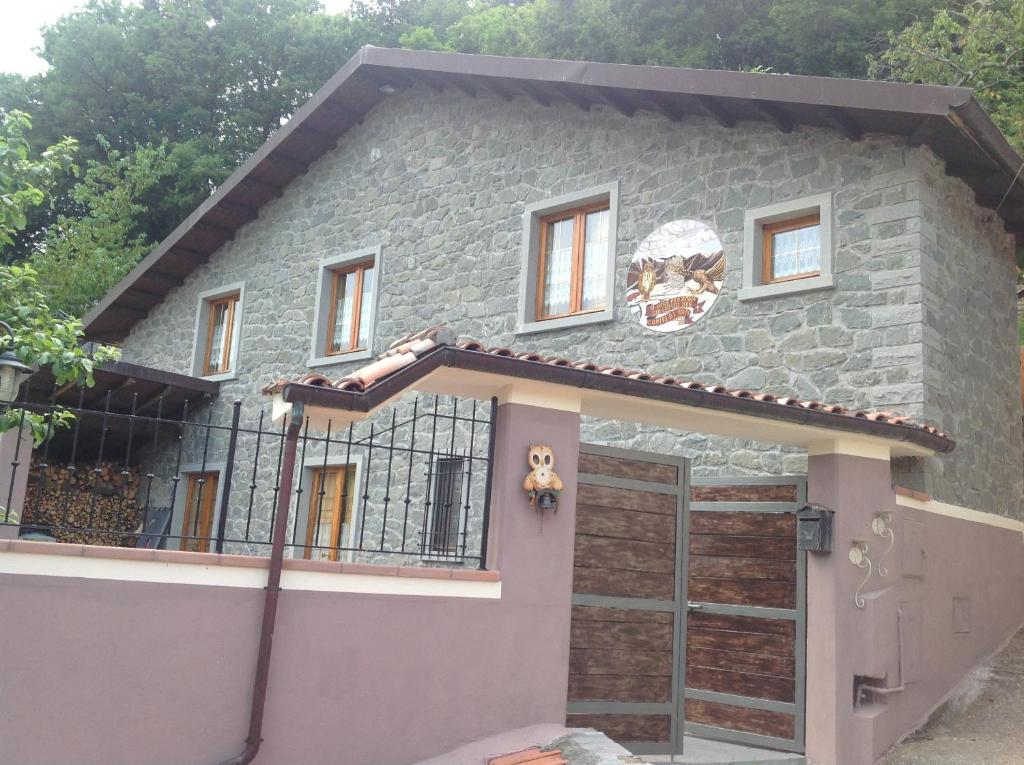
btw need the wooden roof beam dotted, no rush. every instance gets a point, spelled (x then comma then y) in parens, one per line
(534, 92)
(665, 107)
(923, 132)
(845, 124)
(215, 228)
(147, 294)
(258, 183)
(570, 94)
(136, 312)
(775, 116)
(164, 392)
(188, 252)
(463, 84)
(622, 105)
(431, 80)
(495, 87)
(713, 108)
(162, 276)
(123, 385)
(247, 212)
(291, 163)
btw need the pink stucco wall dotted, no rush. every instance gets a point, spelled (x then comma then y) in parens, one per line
(117, 673)
(935, 559)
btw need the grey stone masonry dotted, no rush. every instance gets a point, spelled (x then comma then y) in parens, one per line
(921, 319)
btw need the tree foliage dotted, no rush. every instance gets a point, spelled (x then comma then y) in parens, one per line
(979, 46)
(25, 180)
(86, 253)
(41, 336)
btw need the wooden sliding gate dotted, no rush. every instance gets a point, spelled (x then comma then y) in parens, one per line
(745, 624)
(649, 660)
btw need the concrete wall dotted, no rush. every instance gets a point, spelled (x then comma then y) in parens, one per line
(106, 672)
(954, 592)
(441, 184)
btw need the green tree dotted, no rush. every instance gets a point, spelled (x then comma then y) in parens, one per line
(24, 180)
(41, 335)
(84, 255)
(979, 46)
(211, 79)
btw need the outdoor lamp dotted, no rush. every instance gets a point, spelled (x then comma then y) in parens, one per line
(12, 370)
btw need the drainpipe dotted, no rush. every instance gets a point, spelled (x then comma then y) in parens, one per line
(259, 691)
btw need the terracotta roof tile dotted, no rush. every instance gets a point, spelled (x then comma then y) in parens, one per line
(408, 349)
(532, 756)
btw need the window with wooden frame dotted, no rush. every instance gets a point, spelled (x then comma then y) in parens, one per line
(350, 304)
(791, 249)
(220, 333)
(446, 511)
(572, 267)
(331, 502)
(200, 505)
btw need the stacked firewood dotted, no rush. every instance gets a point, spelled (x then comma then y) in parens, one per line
(100, 499)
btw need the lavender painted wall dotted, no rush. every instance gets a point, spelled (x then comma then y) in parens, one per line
(110, 672)
(935, 559)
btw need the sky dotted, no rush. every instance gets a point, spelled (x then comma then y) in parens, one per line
(24, 18)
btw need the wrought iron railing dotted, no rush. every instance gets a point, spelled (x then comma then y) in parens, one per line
(409, 484)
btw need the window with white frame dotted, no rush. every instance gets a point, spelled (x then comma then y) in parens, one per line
(345, 307)
(218, 332)
(568, 260)
(787, 248)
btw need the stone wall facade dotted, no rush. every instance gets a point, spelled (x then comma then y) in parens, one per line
(440, 183)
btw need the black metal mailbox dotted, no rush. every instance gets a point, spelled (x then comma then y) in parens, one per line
(814, 528)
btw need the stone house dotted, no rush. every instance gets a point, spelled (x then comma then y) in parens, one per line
(416, 188)
(645, 280)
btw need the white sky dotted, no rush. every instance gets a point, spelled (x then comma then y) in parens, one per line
(23, 19)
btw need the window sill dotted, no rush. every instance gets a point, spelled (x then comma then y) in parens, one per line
(341, 358)
(222, 377)
(784, 289)
(566, 322)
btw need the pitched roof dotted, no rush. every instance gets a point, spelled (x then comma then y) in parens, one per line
(414, 356)
(947, 119)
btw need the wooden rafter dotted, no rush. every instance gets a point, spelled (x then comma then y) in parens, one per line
(621, 104)
(713, 108)
(845, 124)
(775, 116)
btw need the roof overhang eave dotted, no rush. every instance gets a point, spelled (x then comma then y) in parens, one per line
(482, 375)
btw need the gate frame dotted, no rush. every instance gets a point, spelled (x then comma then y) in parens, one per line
(677, 606)
(799, 615)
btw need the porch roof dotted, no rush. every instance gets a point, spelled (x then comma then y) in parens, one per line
(120, 389)
(130, 387)
(434, 361)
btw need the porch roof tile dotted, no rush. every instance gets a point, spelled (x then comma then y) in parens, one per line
(416, 345)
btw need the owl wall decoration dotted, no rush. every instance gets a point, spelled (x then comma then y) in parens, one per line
(542, 483)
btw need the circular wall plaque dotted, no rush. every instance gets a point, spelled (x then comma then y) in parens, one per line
(675, 276)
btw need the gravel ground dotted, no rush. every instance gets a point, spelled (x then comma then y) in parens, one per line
(982, 725)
